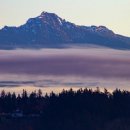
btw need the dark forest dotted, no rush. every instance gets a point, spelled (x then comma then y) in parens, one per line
(85, 109)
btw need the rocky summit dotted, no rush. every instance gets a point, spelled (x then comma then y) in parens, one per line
(50, 31)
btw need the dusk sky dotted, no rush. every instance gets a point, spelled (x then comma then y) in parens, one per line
(115, 14)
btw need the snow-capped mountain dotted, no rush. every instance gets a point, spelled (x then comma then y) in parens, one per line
(49, 30)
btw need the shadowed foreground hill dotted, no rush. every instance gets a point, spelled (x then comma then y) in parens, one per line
(69, 110)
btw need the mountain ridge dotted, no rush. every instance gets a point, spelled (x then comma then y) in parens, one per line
(49, 30)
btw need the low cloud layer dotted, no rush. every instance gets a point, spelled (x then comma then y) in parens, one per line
(89, 63)
(79, 63)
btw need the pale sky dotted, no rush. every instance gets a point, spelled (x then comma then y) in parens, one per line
(115, 14)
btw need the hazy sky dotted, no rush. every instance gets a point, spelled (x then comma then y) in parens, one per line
(115, 14)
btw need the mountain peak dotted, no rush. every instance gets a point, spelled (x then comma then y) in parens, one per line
(48, 28)
(51, 18)
(44, 12)
(47, 14)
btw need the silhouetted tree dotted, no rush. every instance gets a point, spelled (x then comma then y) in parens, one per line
(83, 109)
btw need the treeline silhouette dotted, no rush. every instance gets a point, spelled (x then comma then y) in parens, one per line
(84, 109)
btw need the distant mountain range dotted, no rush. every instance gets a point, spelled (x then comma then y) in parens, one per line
(50, 31)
